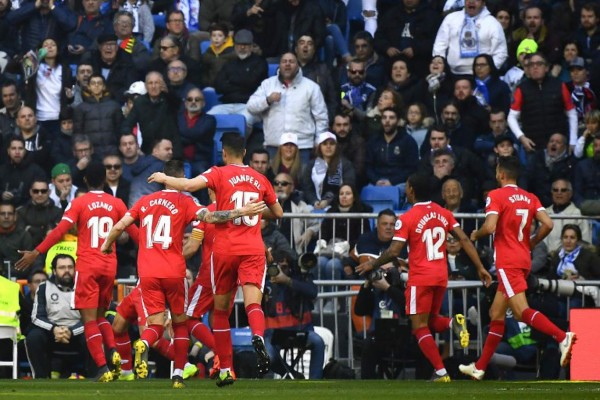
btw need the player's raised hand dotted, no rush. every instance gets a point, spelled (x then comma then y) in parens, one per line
(474, 236)
(157, 177)
(253, 208)
(364, 268)
(27, 259)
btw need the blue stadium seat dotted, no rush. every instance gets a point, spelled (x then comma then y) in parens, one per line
(160, 20)
(211, 98)
(204, 45)
(273, 69)
(373, 194)
(73, 69)
(226, 123)
(378, 206)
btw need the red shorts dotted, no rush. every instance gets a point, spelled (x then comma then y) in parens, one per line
(157, 292)
(231, 270)
(131, 308)
(92, 290)
(424, 299)
(512, 281)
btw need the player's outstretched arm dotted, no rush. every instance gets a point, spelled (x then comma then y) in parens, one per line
(115, 232)
(488, 227)
(471, 251)
(218, 217)
(387, 256)
(27, 259)
(546, 226)
(51, 239)
(191, 246)
(181, 184)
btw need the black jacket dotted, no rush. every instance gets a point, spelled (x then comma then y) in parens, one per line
(101, 120)
(17, 178)
(38, 219)
(238, 79)
(122, 72)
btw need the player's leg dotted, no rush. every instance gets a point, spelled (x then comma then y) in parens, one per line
(200, 301)
(106, 286)
(154, 305)
(120, 328)
(222, 333)
(175, 290)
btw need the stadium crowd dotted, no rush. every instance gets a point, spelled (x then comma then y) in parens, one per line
(332, 114)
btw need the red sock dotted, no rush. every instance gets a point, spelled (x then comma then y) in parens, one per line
(181, 343)
(428, 347)
(124, 348)
(201, 332)
(539, 321)
(165, 348)
(494, 338)
(222, 334)
(439, 324)
(93, 339)
(108, 336)
(152, 333)
(256, 319)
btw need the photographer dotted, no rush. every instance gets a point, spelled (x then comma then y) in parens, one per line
(287, 303)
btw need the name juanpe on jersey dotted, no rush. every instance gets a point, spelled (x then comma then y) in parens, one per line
(244, 178)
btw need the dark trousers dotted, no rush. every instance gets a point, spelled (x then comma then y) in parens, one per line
(42, 349)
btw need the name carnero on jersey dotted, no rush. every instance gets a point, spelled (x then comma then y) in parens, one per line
(519, 197)
(99, 204)
(428, 217)
(244, 178)
(162, 202)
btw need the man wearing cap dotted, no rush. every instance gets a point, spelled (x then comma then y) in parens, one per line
(239, 78)
(114, 63)
(582, 95)
(90, 25)
(515, 75)
(62, 190)
(288, 102)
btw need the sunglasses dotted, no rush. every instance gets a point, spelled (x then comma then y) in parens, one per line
(282, 183)
(194, 99)
(113, 166)
(39, 191)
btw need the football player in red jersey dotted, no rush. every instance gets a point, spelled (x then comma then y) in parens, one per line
(163, 217)
(424, 228)
(94, 213)
(238, 248)
(509, 212)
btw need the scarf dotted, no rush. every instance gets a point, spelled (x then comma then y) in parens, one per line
(318, 175)
(482, 94)
(127, 44)
(550, 161)
(468, 38)
(566, 261)
(227, 44)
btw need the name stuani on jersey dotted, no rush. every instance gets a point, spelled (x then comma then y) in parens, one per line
(519, 197)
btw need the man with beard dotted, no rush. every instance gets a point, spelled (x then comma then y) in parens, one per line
(534, 27)
(460, 134)
(351, 145)
(473, 117)
(357, 91)
(587, 182)
(56, 327)
(588, 35)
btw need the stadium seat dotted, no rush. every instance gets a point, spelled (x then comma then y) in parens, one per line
(204, 45)
(375, 194)
(160, 20)
(73, 69)
(273, 69)
(211, 98)
(10, 332)
(226, 123)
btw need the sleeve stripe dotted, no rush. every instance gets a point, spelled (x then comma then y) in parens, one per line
(78, 331)
(491, 212)
(68, 219)
(401, 239)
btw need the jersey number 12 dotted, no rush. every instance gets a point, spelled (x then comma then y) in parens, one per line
(434, 239)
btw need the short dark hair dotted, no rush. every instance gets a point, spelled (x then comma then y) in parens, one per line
(421, 185)
(174, 168)
(35, 272)
(234, 143)
(60, 256)
(389, 212)
(392, 109)
(219, 26)
(260, 151)
(66, 113)
(14, 138)
(95, 175)
(573, 227)
(98, 75)
(9, 83)
(510, 165)
(8, 203)
(439, 128)
(363, 35)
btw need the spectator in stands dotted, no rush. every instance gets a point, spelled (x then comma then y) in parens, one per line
(50, 88)
(294, 18)
(356, 92)
(197, 131)
(11, 98)
(402, 79)
(570, 51)
(8, 31)
(99, 117)
(177, 77)
(219, 53)
(289, 103)
(57, 327)
(135, 90)
(40, 214)
(170, 50)
(548, 165)
(38, 20)
(372, 125)
(477, 32)
(213, 11)
(12, 239)
(485, 143)
(584, 98)
(176, 27)
(125, 24)
(114, 63)
(288, 303)
(37, 142)
(505, 17)
(562, 205)
(417, 123)
(408, 28)
(162, 151)
(142, 22)
(62, 150)
(82, 78)
(131, 154)
(534, 27)
(392, 156)
(62, 190)
(351, 145)
(26, 302)
(115, 183)
(18, 173)
(473, 118)
(587, 182)
(452, 195)
(317, 71)
(90, 25)
(155, 115)
(275, 240)
(437, 87)
(515, 75)
(239, 78)
(364, 51)
(543, 105)
(324, 176)
(584, 147)
(84, 152)
(503, 146)
(299, 232)
(587, 35)
(490, 90)
(287, 158)
(260, 161)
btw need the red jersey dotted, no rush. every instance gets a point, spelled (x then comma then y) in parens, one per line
(95, 213)
(424, 227)
(516, 208)
(203, 277)
(163, 218)
(235, 186)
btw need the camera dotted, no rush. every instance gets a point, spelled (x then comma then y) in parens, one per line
(307, 261)
(376, 275)
(556, 286)
(392, 276)
(273, 270)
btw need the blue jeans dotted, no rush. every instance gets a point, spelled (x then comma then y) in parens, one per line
(330, 268)
(317, 355)
(339, 41)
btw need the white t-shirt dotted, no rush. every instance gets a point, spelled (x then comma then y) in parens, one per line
(49, 85)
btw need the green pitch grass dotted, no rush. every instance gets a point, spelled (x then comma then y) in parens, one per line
(301, 390)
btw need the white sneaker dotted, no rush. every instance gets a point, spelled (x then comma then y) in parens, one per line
(470, 370)
(565, 348)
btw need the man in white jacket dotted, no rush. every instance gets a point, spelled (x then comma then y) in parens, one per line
(290, 103)
(467, 33)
